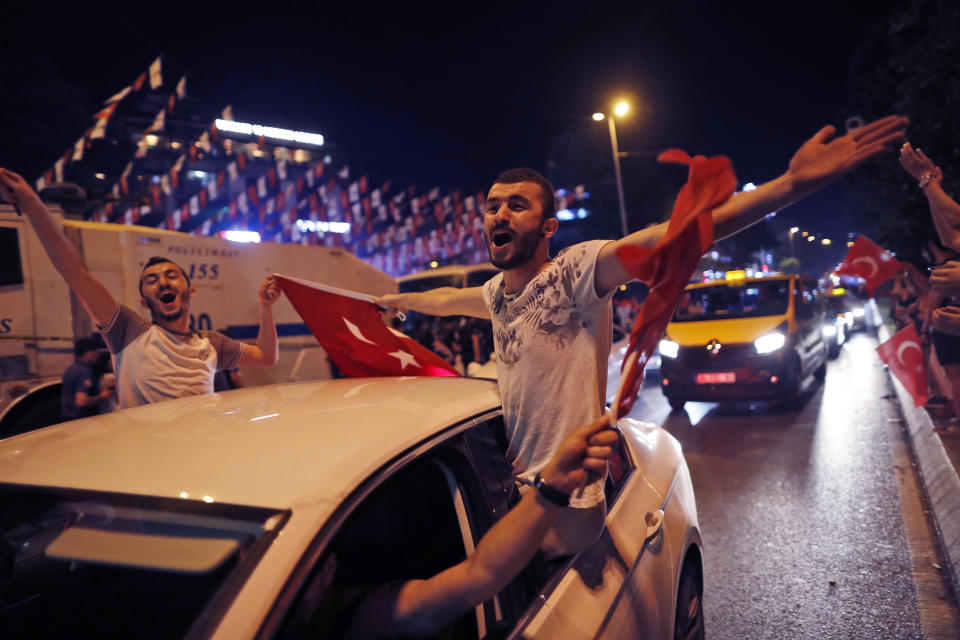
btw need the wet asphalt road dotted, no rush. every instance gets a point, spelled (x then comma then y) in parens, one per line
(799, 510)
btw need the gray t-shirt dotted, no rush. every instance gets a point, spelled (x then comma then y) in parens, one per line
(552, 340)
(153, 364)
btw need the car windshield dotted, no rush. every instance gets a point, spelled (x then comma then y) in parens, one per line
(725, 301)
(838, 304)
(82, 564)
(431, 282)
(478, 278)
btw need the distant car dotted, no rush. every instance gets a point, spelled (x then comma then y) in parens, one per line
(214, 517)
(835, 329)
(860, 314)
(839, 320)
(743, 339)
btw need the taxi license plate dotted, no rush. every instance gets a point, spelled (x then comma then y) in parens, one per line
(724, 377)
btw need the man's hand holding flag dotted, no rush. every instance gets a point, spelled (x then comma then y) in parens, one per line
(349, 327)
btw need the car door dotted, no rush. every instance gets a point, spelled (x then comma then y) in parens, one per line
(413, 519)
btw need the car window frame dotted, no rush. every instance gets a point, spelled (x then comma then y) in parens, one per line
(281, 606)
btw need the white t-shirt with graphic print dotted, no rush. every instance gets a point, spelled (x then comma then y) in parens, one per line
(552, 340)
(152, 364)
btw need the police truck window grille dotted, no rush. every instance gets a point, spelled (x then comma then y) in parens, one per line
(11, 269)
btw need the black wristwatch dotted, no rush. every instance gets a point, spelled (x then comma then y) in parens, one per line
(555, 496)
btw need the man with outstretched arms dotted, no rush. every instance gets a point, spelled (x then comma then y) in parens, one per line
(157, 360)
(552, 317)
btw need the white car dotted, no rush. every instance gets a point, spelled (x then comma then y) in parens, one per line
(214, 516)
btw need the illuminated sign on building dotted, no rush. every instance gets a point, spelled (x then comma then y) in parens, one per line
(276, 133)
(240, 236)
(306, 226)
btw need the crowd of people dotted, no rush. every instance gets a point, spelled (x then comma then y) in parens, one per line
(932, 304)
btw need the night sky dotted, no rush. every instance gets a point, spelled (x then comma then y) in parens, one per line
(452, 96)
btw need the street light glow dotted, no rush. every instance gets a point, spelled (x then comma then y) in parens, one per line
(598, 116)
(621, 109)
(794, 230)
(811, 238)
(825, 241)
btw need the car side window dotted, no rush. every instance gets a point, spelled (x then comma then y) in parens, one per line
(407, 528)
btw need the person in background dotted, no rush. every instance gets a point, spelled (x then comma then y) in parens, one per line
(942, 322)
(943, 314)
(80, 396)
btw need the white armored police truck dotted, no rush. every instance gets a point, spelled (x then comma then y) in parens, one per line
(40, 318)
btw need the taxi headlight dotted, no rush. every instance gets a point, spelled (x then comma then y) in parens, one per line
(858, 312)
(669, 348)
(770, 342)
(829, 330)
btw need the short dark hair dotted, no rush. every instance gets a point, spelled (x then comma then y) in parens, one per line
(157, 260)
(84, 345)
(525, 174)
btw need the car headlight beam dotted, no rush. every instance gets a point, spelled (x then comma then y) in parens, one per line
(669, 348)
(858, 312)
(829, 330)
(770, 342)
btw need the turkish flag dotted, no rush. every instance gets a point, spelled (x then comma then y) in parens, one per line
(349, 327)
(667, 266)
(902, 353)
(867, 260)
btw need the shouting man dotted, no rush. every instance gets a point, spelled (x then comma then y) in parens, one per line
(157, 360)
(552, 317)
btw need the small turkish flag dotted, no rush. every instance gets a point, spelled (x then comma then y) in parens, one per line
(902, 353)
(349, 327)
(867, 260)
(667, 266)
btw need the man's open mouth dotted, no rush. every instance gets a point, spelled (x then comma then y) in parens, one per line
(167, 297)
(500, 238)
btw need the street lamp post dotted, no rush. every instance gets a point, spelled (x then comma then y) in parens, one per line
(616, 168)
(620, 109)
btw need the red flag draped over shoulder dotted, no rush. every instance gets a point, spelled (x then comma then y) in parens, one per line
(349, 327)
(667, 266)
(903, 355)
(866, 259)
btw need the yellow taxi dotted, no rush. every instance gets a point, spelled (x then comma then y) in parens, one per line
(741, 339)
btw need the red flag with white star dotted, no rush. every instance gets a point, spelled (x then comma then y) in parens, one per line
(349, 327)
(866, 259)
(667, 266)
(903, 355)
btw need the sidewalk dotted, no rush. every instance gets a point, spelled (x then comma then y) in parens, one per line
(938, 463)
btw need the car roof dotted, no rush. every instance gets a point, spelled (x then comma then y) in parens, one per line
(269, 446)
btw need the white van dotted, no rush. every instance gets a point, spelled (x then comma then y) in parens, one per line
(40, 318)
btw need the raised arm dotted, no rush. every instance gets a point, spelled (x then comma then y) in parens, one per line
(65, 258)
(819, 161)
(424, 607)
(444, 301)
(265, 351)
(943, 209)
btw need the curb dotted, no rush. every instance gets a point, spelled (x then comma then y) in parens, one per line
(938, 477)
